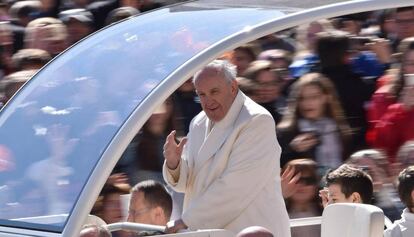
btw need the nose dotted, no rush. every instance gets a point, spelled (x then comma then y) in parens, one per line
(207, 101)
(129, 218)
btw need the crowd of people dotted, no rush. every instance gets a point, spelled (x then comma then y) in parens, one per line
(340, 92)
(32, 32)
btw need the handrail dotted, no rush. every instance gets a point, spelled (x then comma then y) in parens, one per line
(298, 222)
(317, 220)
(134, 227)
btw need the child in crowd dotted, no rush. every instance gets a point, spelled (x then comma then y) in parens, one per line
(404, 227)
(347, 185)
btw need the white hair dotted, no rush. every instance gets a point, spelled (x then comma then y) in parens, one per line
(224, 67)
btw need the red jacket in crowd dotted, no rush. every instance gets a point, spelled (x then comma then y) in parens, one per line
(394, 129)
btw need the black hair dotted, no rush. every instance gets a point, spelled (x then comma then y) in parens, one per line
(352, 180)
(155, 194)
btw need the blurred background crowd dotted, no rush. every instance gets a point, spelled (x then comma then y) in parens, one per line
(32, 32)
(340, 91)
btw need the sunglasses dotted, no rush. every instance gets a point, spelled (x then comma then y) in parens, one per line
(308, 180)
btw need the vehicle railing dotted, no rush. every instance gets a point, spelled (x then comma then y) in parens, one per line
(317, 220)
(134, 227)
(159, 230)
(297, 222)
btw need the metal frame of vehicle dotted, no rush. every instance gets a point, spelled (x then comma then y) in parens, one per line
(174, 80)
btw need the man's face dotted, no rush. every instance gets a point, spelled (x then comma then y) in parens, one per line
(335, 195)
(268, 89)
(216, 94)
(139, 210)
(242, 60)
(77, 30)
(405, 24)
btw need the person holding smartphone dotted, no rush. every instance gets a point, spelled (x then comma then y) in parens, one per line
(314, 125)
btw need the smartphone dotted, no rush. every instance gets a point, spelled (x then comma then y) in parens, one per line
(409, 79)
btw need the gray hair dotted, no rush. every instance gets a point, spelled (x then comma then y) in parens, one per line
(222, 67)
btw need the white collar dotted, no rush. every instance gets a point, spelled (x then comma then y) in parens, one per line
(407, 215)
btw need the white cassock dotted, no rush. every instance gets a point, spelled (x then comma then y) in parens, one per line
(230, 172)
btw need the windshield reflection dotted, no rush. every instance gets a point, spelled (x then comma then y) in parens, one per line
(53, 133)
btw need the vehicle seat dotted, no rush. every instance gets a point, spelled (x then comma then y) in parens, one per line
(352, 220)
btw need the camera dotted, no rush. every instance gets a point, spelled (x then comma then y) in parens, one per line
(359, 42)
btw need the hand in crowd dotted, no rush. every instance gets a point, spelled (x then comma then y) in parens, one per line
(324, 195)
(118, 178)
(173, 151)
(382, 48)
(407, 98)
(175, 226)
(304, 142)
(289, 181)
(60, 145)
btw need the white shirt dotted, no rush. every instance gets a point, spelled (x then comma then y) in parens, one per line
(403, 227)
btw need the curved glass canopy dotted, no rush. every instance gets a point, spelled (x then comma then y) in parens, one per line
(53, 133)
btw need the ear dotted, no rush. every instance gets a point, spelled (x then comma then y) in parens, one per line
(356, 198)
(158, 216)
(234, 86)
(412, 195)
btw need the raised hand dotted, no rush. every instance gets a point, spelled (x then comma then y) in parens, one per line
(289, 181)
(324, 195)
(175, 226)
(172, 150)
(304, 142)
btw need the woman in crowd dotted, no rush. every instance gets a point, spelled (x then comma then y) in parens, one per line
(389, 87)
(314, 125)
(263, 85)
(396, 124)
(305, 202)
(242, 56)
(109, 206)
